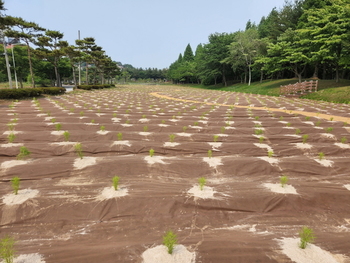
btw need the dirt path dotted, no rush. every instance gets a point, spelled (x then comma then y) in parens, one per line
(305, 113)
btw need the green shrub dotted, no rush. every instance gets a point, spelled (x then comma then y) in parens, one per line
(11, 137)
(23, 152)
(283, 180)
(172, 137)
(15, 181)
(66, 135)
(306, 236)
(210, 153)
(20, 93)
(90, 87)
(79, 149)
(151, 153)
(115, 182)
(120, 136)
(202, 181)
(170, 240)
(6, 249)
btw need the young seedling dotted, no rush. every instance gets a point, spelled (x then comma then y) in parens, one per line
(170, 240)
(306, 236)
(261, 139)
(329, 129)
(79, 149)
(120, 136)
(114, 115)
(283, 180)
(258, 131)
(202, 181)
(288, 124)
(66, 136)
(210, 153)
(11, 126)
(184, 128)
(23, 152)
(151, 153)
(53, 120)
(321, 156)
(92, 121)
(297, 131)
(58, 126)
(331, 118)
(163, 121)
(15, 181)
(270, 154)
(11, 137)
(318, 123)
(102, 128)
(343, 140)
(115, 182)
(195, 123)
(281, 118)
(7, 253)
(257, 117)
(223, 129)
(172, 137)
(305, 137)
(216, 137)
(307, 118)
(81, 113)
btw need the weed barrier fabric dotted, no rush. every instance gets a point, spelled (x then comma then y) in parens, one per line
(68, 221)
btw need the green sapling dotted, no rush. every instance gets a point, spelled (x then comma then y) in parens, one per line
(15, 181)
(306, 236)
(23, 152)
(7, 252)
(79, 150)
(151, 152)
(66, 136)
(283, 180)
(170, 240)
(202, 181)
(115, 182)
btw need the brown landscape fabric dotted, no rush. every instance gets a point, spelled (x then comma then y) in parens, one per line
(68, 222)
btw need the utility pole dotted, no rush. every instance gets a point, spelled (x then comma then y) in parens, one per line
(6, 59)
(79, 68)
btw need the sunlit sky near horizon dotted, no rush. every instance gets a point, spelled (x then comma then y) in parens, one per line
(143, 33)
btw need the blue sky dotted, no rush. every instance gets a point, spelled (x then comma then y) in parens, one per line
(143, 33)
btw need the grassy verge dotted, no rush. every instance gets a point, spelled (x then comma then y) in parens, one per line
(329, 90)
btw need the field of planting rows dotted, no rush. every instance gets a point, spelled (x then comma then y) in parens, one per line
(161, 141)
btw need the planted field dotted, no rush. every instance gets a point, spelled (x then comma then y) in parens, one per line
(104, 175)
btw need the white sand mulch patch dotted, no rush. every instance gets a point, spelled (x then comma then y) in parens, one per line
(290, 128)
(213, 161)
(184, 134)
(29, 258)
(342, 145)
(9, 132)
(324, 162)
(12, 163)
(319, 128)
(171, 144)
(145, 133)
(63, 143)
(110, 192)
(215, 145)
(196, 127)
(155, 159)
(303, 146)
(204, 122)
(58, 133)
(207, 192)
(89, 123)
(163, 125)
(102, 132)
(48, 118)
(328, 135)
(263, 146)
(41, 114)
(311, 254)
(126, 143)
(144, 120)
(222, 135)
(126, 125)
(270, 160)
(310, 123)
(277, 188)
(8, 145)
(293, 135)
(100, 114)
(230, 123)
(116, 119)
(85, 162)
(83, 117)
(159, 254)
(22, 196)
(347, 186)
(173, 120)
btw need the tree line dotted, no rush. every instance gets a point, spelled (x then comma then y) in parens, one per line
(304, 39)
(130, 73)
(44, 57)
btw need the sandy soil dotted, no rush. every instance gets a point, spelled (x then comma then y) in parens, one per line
(159, 254)
(277, 188)
(110, 192)
(207, 192)
(85, 162)
(22, 196)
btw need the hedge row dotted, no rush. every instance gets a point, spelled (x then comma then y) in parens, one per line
(14, 94)
(90, 87)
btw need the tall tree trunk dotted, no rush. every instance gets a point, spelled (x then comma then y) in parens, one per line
(315, 75)
(250, 75)
(30, 65)
(337, 73)
(261, 76)
(74, 77)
